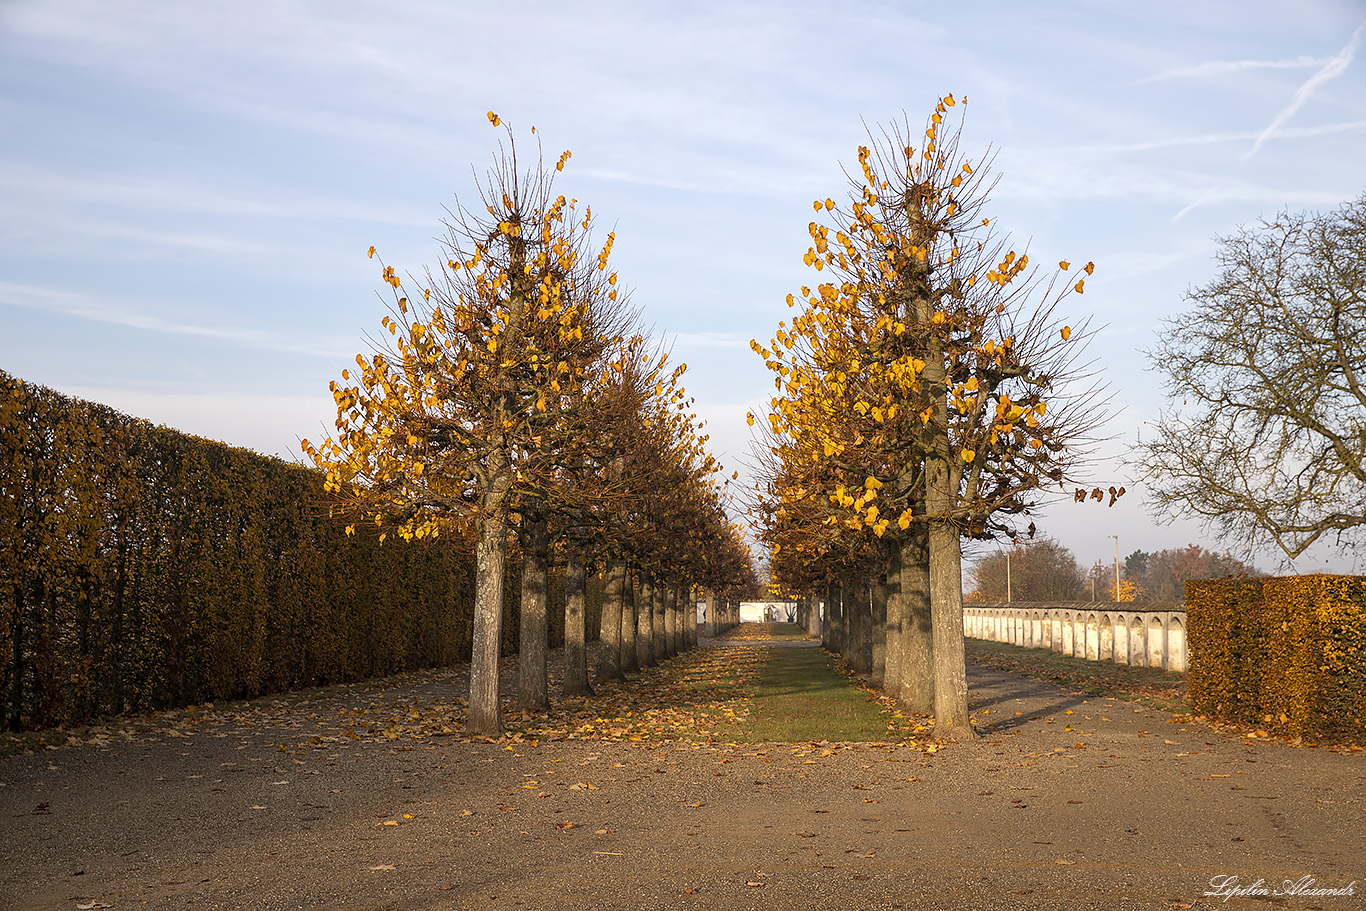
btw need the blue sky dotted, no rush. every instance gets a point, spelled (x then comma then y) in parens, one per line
(187, 190)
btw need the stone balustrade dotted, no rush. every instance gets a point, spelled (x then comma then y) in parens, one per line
(1141, 634)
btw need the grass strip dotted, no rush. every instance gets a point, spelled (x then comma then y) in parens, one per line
(1153, 687)
(800, 697)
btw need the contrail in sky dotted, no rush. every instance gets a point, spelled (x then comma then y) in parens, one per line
(1330, 70)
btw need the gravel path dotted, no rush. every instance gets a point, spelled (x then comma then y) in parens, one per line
(1065, 802)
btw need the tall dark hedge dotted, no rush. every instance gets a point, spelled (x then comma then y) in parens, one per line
(142, 568)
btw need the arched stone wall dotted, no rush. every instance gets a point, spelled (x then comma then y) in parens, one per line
(1151, 634)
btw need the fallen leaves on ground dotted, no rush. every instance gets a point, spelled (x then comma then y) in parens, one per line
(1149, 686)
(702, 695)
(764, 632)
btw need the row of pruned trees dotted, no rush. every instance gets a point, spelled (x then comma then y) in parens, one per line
(512, 400)
(926, 391)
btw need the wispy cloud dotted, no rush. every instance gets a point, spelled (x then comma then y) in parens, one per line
(1225, 67)
(174, 194)
(1352, 126)
(81, 306)
(1330, 70)
(1211, 193)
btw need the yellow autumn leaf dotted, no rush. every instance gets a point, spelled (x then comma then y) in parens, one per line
(750, 418)
(371, 254)
(968, 455)
(1090, 267)
(1066, 332)
(1078, 287)
(494, 118)
(1064, 265)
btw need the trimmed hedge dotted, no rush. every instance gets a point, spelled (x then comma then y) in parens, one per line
(1285, 654)
(143, 568)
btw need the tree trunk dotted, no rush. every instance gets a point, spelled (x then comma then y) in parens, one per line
(575, 681)
(661, 645)
(831, 631)
(683, 626)
(671, 620)
(878, 649)
(609, 635)
(690, 619)
(891, 628)
(489, 563)
(945, 558)
(952, 719)
(645, 623)
(533, 687)
(630, 662)
(917, 630)
(861, 631)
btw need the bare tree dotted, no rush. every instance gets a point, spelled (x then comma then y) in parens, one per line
(1269, 438)
(1038, 570)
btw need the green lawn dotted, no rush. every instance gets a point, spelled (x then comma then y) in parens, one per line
(801, 697)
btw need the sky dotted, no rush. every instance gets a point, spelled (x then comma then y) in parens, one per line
(188, 190)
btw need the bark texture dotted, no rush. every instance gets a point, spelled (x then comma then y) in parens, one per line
(609, 636)
(575, 681)
(533, 686)
(490, 558)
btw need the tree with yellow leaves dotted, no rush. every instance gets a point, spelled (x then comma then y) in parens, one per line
(926, 390)
(439, 428)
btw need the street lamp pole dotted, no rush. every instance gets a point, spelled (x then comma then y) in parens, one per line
(1116, 537)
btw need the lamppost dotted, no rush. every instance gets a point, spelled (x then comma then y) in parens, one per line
(1013, 544)
(1116, 537)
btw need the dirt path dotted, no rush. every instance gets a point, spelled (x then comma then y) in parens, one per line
(1066, 802)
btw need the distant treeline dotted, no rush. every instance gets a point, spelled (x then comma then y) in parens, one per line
(142, 568)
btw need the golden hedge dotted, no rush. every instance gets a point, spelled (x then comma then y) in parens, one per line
(1285, 654)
